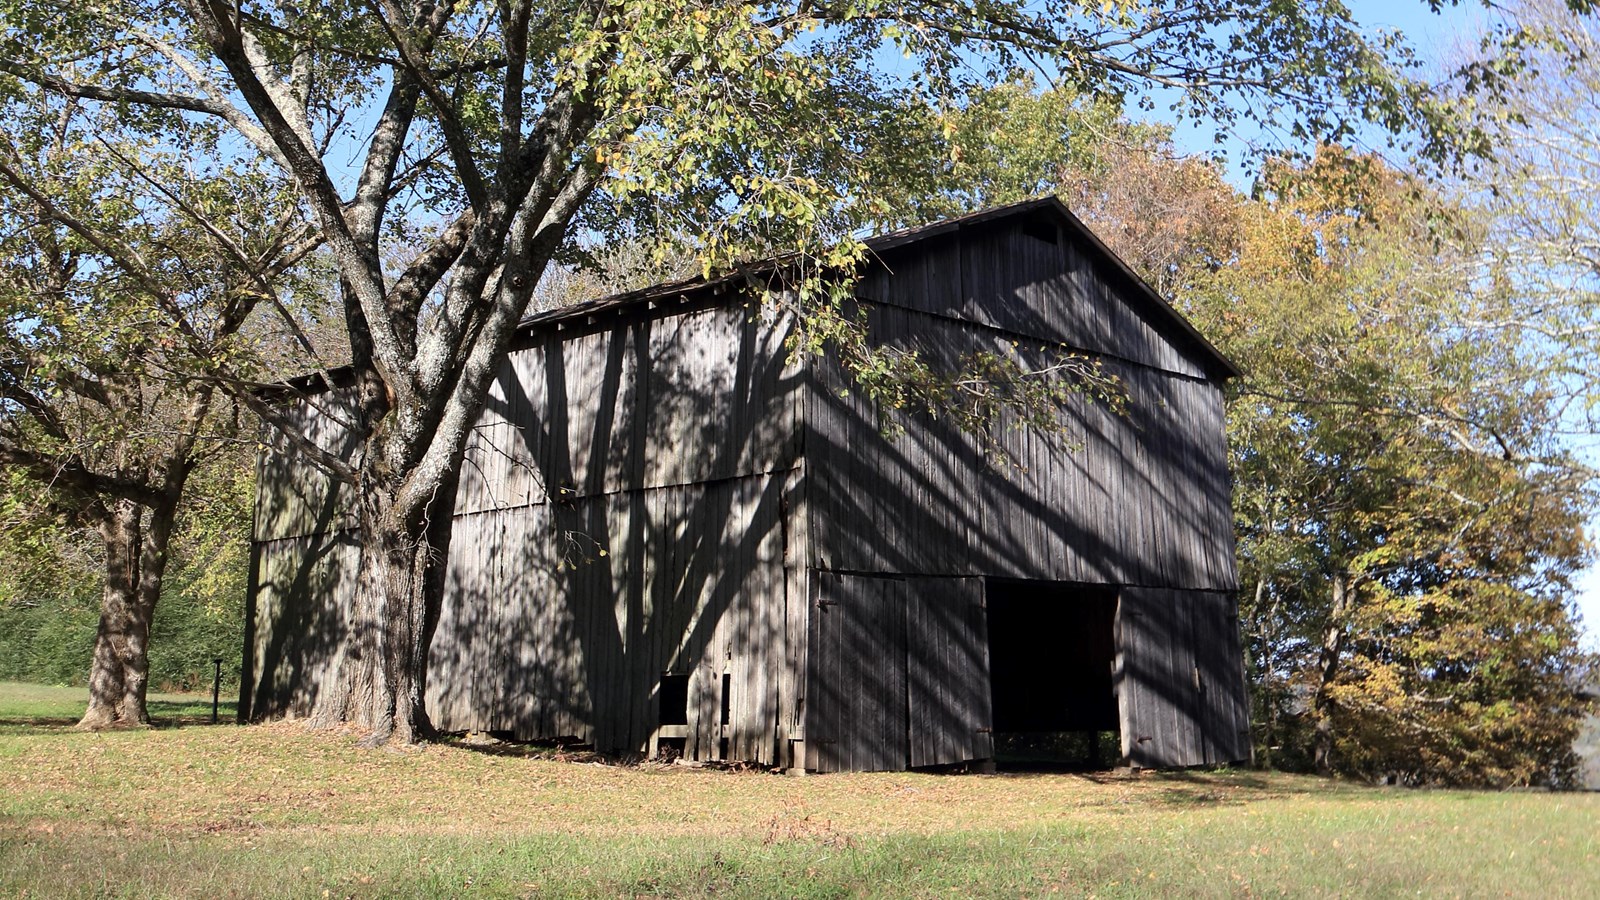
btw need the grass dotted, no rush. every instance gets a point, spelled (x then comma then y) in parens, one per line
(276, 810)
(35, 705)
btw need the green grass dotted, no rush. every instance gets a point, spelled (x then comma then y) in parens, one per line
(34, 705)
(278, 811)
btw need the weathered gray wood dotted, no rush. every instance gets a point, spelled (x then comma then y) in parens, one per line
(293, 497)
(947, 652)
(1224, 698)
(1031, 288)
(303, 587)
(1141, 507)
(898, 674)
(1180, 685)
(660, 489)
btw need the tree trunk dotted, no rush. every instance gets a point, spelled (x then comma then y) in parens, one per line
(1333, 637)
(1262, 671)
(378, 680)
(120, 533)
(136, 539)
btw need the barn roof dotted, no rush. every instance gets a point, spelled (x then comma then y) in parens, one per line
(1180, 329)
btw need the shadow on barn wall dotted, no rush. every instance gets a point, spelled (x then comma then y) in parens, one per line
(660, 509)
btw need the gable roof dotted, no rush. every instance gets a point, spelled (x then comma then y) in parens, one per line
(1177, 326)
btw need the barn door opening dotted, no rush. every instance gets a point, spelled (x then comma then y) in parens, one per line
(1051, 658)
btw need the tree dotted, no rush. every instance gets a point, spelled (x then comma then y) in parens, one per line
(1409, 521)
(495, 133)
(122, 265)
(1540, 184)
(51, 581)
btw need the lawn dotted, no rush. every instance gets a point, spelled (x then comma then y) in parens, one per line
(190, 809)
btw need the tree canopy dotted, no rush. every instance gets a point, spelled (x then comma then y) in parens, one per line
(449, 153)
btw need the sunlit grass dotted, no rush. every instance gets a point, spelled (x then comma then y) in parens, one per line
(53, 705)
(276, 810)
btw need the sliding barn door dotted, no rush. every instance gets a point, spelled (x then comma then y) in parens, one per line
(898, 672)
(1180, 679)
(947, 654)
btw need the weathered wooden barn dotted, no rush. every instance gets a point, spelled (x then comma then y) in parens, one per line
(669, 532)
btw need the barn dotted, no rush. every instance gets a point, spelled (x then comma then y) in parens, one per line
(672, 535)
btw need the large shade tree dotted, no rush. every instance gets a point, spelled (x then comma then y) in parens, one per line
(450, 152)
(128, 272)
(1542, 183)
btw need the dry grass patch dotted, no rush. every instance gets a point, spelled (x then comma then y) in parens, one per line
(284, 776)
(279, 810)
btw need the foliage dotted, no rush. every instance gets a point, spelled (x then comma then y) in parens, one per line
(1540, 186)
(1000, 145)
(50, 590)
(1409, 523)
(134, 254)
(51, 640)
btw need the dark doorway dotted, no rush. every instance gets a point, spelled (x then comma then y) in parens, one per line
(1051, 651)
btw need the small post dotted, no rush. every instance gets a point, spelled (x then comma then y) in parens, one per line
(216, 687)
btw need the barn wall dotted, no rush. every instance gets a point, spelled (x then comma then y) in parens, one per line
(626, 509)
(561, 618)
(1136, 498)
(296, 620)
(642, 528)
(303, 562)
(1007, 277)
(1180, 678)
(293, 497)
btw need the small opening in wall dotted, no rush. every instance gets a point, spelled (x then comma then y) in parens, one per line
(727, 696)
(1039, 229)
(674, 700)
(670, 749)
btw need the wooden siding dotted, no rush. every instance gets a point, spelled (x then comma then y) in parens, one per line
(1141, 498)
(899, 673)
(562, 618)
(293, 497)
(636, 403)
(628, 502)
(1007, 278)
(624, 514)
(1180, 678)
(302, 585)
